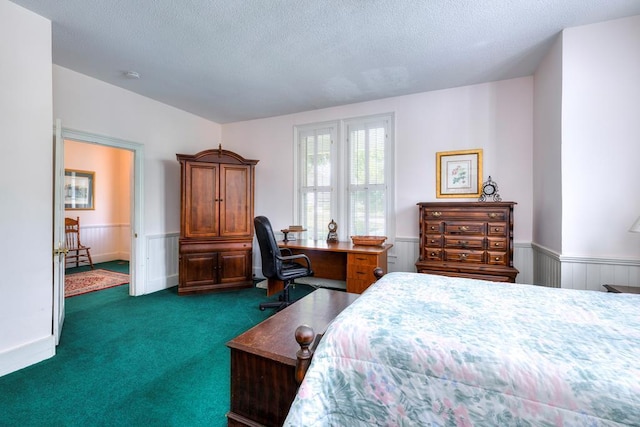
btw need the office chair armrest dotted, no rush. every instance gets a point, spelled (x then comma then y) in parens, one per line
(295, 257)
(287, 250)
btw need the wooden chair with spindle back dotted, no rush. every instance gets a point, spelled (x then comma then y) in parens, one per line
(77, 252)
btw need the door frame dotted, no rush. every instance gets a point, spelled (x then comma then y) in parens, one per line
(137, 285)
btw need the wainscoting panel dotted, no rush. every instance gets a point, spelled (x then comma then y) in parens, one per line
(404, 254)
(107, 242)
(587, 273)
(162, 261)
(523, 261)
(547, 267)
(592, 273)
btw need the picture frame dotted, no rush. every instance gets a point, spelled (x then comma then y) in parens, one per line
(79, 190)
(458, 173)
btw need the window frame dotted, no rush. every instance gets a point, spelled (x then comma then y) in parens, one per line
(340, 203)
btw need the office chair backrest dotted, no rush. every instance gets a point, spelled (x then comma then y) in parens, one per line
(268, 247)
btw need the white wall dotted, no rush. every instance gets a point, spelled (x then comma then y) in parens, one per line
(26, 188)
(601, 139)
(547, 161)
(86, 104)
(497, 117)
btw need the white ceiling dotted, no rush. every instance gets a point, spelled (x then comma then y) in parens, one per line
(233, 60)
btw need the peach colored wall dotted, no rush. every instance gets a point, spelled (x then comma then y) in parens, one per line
(112, 168)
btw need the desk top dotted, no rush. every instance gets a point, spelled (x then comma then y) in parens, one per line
(274, 338)
(321, 245)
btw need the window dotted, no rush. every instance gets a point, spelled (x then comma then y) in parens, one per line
(316, 179)
(347, 179)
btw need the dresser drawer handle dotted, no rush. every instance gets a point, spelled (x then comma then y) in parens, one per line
(436, 214)
(497, 258)
(463, 228)
(496, 229)
(432, 227)
(361, 258)
(463, 243)
(360, 272)
(463, 256)
(496, 244)
(433, 241)
(433, 254)
(493, 215)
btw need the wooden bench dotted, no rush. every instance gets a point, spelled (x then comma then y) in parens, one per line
(264, 358)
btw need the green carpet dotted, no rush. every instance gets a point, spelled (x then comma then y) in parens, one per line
(158, 359)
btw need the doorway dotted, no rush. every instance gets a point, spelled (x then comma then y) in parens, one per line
(132, 224)
(103, 211)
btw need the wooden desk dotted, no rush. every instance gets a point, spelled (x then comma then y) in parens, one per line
(263, 359)
(339, 261)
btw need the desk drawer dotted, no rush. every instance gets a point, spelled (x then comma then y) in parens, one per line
(361, 266)
(360, 270)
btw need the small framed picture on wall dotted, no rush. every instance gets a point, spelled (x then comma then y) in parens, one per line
(458, 173)
(79, 190)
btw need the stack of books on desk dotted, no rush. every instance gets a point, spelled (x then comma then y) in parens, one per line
(294, 229)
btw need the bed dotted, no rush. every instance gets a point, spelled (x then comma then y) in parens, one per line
(420, 349)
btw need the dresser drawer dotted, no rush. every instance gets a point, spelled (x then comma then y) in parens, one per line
(463, 256)
(485, 214)
(432, 227)
(497, 258)
(433, 254)
(497, 229)
(463, 242)
(464, 227)
(434, 240)
(496, 244)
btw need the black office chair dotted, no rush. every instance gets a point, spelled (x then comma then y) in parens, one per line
(275, 265)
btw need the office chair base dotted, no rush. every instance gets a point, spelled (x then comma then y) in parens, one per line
(284, 300)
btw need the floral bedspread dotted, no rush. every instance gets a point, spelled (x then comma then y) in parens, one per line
(418, 349)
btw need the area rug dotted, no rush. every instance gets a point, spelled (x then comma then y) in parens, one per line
(93, 280)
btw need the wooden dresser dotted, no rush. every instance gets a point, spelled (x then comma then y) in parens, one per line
(216, 221)
(467, 239)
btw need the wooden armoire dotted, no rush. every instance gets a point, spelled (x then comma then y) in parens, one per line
(216, 221)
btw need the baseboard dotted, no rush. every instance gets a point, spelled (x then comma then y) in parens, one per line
(161, 284)
(27, 355)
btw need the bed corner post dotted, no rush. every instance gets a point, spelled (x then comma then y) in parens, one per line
(304, 336)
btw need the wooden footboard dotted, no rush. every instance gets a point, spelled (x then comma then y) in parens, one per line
(308, 341)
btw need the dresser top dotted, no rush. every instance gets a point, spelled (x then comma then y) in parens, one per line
(467, 204)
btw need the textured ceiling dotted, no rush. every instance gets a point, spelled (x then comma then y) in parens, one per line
(233, 60)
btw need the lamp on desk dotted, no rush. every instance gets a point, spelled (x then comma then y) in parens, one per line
(635, 228)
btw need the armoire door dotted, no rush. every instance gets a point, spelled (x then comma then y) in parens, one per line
(236, 209)
(201, 200)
